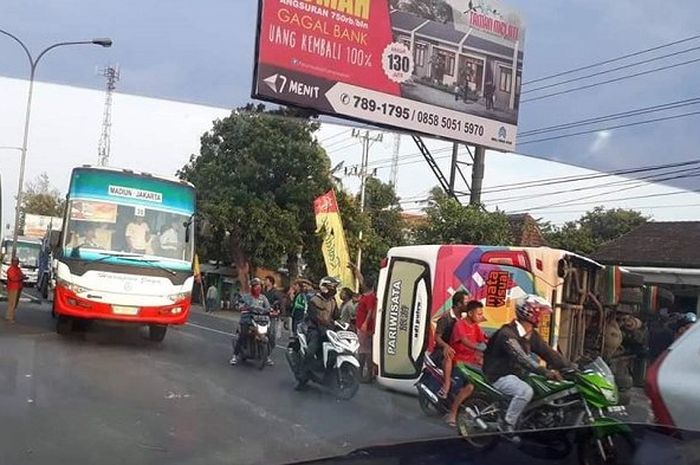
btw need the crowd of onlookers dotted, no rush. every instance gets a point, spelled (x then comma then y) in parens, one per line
(357, 309)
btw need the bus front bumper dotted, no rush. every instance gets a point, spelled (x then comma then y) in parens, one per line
(68, 303)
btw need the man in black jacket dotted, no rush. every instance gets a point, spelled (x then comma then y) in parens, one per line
(507, 359)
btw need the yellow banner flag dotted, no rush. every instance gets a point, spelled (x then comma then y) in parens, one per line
(334, 247)
(195, 268)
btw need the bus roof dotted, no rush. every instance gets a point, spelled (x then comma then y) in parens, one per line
(35, 240)
(172, 179)
(410, 248)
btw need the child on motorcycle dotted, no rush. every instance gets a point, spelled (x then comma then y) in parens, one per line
(468, 342)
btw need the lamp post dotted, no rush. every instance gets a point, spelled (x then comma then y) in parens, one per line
(33, 63)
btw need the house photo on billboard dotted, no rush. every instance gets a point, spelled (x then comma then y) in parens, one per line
(468, 55)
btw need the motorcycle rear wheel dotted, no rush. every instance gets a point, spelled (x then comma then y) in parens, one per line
(426, 405)
(346, 382)
(475, 436)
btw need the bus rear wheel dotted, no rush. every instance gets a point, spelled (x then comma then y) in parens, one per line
(156, 333)
(64, 325)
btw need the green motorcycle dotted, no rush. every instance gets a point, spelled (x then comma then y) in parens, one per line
(585, 398)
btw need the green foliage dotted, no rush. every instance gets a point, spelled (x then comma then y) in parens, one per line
(41, 198)
(593, 229)
(449, 222)
(386, 224)
(257, 175)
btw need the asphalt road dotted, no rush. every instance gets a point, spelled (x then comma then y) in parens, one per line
(109, 396)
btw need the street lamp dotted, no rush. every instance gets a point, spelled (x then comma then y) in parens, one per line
(103, 42)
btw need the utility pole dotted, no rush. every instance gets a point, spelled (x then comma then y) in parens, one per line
(453, 168)
(393, 177)
(363, 173)
(104, 146)
(477, 175)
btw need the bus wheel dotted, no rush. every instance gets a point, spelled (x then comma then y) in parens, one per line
(156, 333)
(64, 325)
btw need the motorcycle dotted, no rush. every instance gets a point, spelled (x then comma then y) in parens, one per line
(429, 385)
(338, 368)
(256, 346)
(585, 398)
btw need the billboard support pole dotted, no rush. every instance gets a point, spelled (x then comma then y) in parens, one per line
(477, 175)
(453, 168)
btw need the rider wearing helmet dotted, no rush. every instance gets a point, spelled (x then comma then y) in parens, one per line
(322, 311)
(684, 323)
(508, 359)
(250, 301)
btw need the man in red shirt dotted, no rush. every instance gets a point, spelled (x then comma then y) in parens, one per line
(15, 279)
(364, 319)
(468, 341)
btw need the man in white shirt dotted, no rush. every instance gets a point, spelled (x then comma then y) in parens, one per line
(137, 235)
(169, 241)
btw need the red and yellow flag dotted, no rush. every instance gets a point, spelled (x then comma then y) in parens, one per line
(334, 246)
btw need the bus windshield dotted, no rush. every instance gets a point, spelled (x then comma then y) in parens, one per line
(27, 252)
(107, 228)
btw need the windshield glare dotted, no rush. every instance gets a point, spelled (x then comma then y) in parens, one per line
(126, 229)
(27, 253)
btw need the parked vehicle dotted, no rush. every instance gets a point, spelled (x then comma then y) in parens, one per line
(338, 368)
(28, 250)
(673, 381)
(256, 347)
(588, 397)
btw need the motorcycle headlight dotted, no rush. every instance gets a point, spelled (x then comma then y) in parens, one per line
(610, 395)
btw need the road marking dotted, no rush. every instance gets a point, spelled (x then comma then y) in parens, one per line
(206, 328)
(218, 331)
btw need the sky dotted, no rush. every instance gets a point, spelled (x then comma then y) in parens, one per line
(159, 136)
(202, 53)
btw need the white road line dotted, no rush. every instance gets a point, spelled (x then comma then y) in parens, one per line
(206, 328)
(225, 333)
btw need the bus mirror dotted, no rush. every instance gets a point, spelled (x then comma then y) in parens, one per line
(187, 232)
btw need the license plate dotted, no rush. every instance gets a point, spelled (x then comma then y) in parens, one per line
(121, 310)
(347, 335)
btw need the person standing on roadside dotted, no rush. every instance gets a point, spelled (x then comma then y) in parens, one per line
(348, 307)
(15, 282)
(276, 299)
(212, 296)
(302, 289)
(364, 319)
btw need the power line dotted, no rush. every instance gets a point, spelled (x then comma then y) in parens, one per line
(611, 60)
(636, 207)
(586, 177)
(612, 70)
(322, 141)
(643, 180)
(612, 117)
(609, 81)
(619, 126)
(577, 201)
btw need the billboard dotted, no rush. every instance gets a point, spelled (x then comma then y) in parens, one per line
(37, 225)
(445, 68)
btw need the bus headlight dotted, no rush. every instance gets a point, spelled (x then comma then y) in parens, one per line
(179, 296)
(71, 286)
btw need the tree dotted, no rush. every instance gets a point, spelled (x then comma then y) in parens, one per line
(257, 175)
(449, 222)
(593, 229)
(386, 226)
(436, 10)
(41, 198)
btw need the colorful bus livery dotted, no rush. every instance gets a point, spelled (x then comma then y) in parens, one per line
(417, 283)
(126, 250)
